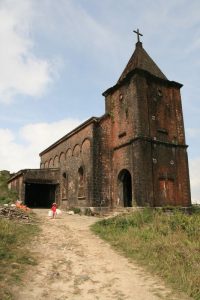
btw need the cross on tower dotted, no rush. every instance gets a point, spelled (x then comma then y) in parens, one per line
(138, 34)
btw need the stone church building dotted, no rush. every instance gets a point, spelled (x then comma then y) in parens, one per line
(133, 155)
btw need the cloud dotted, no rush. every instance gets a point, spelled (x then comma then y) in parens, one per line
(42, 135)
(193, 132)
(194, 165)
(74, 27)
(21, 150)
(21, 71)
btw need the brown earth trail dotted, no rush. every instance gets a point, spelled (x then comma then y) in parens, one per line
(75, 264)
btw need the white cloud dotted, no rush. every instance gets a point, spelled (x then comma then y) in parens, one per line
(73, 26)
(193, 132)
(21, 72)
(194, 165)
(42, 135)
(34, 138)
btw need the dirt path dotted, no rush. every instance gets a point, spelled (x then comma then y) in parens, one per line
(75, 264)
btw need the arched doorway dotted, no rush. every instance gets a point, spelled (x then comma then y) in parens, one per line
(125, 188)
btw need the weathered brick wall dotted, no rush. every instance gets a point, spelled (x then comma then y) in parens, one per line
(184, 195)
(17, 185)
(41, 176)
(128, 111)
(122, 107)
(122, 160)
(147, 136)
(165, 112)
(136, 158)
(169, 156)
(103, 164)
(74, 156)
(142, 172)
(171, 165)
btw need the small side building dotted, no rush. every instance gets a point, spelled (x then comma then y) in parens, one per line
(36, 187)
(133, 155)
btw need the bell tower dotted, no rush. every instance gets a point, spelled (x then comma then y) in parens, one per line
(147, 134)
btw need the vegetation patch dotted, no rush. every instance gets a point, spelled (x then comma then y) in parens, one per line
(6, 195)
(168, 243)
(14, 255)
(76, 210)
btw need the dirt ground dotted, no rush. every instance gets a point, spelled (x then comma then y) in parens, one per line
(75, 264)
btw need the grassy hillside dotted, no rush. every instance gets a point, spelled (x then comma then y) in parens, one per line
(15, 235)
(6, 196)
(167, 243)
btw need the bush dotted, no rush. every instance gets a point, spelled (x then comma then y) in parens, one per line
(76, 210)
(6, 196)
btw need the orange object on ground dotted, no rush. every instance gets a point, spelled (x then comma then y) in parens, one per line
(21, 206)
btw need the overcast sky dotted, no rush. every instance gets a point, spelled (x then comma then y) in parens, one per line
(57, 57)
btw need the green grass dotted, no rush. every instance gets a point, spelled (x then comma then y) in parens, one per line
(167, 243)
(6, 195)
(14, 256)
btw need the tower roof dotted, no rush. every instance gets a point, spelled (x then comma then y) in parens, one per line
(141, 60)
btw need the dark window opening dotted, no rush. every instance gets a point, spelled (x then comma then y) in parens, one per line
(121, 135)
(126, 112)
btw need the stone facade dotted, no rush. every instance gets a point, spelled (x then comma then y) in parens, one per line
(135, 154)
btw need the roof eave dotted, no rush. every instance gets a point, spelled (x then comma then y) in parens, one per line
(69, 134)
(143, 73)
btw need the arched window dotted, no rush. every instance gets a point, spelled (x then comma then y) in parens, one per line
(86, 147)
(64, 189)
(61, 158)
(56, 162)
(81, 184)
(51, 163)
(76, 151)
(68, 154)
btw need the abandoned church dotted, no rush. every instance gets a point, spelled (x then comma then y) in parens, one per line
(133, 155)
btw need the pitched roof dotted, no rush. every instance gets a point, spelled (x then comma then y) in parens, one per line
(141, 60)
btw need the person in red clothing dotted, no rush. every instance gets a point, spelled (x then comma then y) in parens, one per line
(53, 208)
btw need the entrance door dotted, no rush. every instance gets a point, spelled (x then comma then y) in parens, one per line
(39, 195)
(125, 188)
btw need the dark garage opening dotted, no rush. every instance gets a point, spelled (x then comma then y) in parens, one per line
(39, 195)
